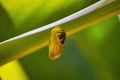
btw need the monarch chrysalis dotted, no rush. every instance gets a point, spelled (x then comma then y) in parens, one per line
(56, 42)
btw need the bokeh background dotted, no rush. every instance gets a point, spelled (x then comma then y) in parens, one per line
(90, 54)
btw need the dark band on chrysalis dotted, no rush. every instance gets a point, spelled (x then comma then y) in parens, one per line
(62, 41)
(62, 36)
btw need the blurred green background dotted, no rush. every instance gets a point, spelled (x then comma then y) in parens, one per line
(90, 54)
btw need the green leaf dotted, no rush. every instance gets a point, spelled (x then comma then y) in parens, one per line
(36, 39)
(100, 45)
(91, 54)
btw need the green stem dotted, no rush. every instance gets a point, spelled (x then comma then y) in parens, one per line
(31, 41)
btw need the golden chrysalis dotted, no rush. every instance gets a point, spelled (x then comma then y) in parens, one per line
(56, 42)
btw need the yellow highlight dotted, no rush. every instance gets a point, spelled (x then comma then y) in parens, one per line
(10, 4)
(12, 71)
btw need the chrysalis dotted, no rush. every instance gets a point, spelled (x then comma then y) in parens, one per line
(56, 42)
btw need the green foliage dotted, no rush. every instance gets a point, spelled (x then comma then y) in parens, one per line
(90, 54)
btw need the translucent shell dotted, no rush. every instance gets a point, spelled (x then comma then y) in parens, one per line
(56, 42)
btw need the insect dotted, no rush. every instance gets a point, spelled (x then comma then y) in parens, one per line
(56, 42)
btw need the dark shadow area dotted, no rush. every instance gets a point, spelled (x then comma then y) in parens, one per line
(6, 25)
